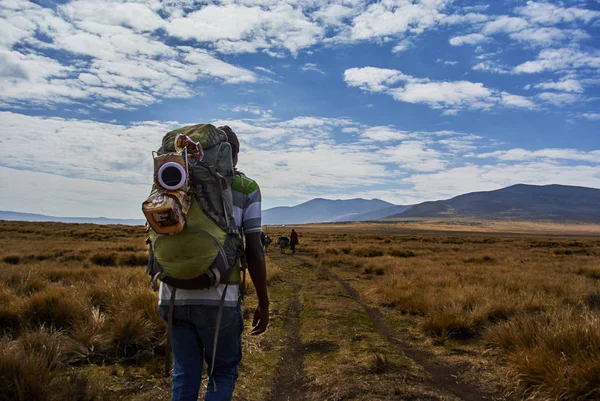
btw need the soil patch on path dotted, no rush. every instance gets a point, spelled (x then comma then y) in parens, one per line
(289, 380)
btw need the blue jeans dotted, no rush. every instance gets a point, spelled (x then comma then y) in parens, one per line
(192, 342)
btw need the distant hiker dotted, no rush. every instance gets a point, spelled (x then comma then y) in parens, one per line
(203, 311)
(265, 240)
(293, 241)
(283, 242)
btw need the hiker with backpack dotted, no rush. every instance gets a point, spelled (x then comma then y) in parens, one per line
(283, 242)
(266, 241)
(205, 219)
(293, 241)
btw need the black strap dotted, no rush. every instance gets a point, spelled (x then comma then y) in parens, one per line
(169, 332)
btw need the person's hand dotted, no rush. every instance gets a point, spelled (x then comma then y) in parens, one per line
(260, 321)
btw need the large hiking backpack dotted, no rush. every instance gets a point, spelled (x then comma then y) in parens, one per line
(193, 237)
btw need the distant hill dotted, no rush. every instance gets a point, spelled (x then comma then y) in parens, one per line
(379, 213)
(4, 215)
(517, 202)
(321, 210)
(560, 203)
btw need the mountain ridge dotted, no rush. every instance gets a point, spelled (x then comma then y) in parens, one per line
(552, 202)
(520, 201)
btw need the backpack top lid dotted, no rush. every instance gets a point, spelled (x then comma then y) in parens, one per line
(207, 135)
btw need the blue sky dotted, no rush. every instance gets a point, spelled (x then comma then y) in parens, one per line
(401, 100)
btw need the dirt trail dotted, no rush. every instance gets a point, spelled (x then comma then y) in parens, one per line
(289, 380)
(443, 377)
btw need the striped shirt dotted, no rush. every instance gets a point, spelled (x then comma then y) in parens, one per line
(247, 213)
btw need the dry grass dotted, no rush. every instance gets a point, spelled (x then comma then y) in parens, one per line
(65, 302)
(74, 298)
(533, 299)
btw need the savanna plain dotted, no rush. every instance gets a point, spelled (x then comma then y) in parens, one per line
(394, 311)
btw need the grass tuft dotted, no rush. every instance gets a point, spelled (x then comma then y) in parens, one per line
(133, 259)
(53, 308)
(104, 259)
(9, 319)
(131, 333)
(12, 259)
(401, 253)
(367, 252)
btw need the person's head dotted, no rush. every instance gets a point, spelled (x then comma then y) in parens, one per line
(233, 141)
(293, 230)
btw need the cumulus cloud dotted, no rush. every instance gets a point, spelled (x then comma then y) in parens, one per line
(559, 59)
(391, 18)
(110, 57)
(558, 99)
(314, 155)
(470, 39)
(566, 85)
(505, 24)
(546, 36)
(452, 96)
(547, 13)
(248, 28)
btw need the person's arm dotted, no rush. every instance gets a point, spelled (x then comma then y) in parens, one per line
(258, 272)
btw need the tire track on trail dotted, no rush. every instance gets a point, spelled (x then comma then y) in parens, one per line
(290, 380)
(442, 375)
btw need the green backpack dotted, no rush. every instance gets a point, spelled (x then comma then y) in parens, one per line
(204, 252)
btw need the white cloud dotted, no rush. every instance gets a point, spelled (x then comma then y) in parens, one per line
(414, 156)
(470, 39)
(458, 94)
(372, 78)
(559, 59)
(504, 24)
(558, 99)
(248, 28)
(592, 116)
(478, 8)
(517, 101)
(394, 18)
(334, 14)
(108, 57)
(402, 46)
(470, 178)
(313, 156)
(137, 16)
(312, 67)
(566, 85)
(547, 14)
(263, 69)
(519, 154)
(255, 110)
(56, 195)
(490, 66)
(452, 96)
(383, 134)
(546, 36)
